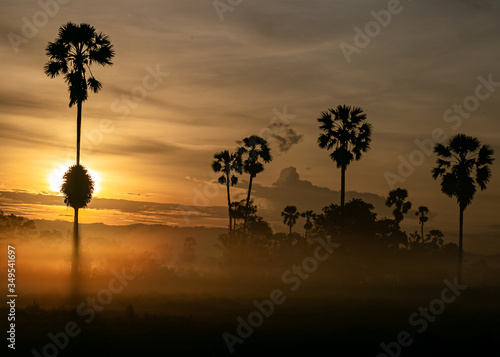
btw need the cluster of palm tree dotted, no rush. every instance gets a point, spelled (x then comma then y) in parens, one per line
(75, 50)
(463, 165)
(248, 158)
(290, 216)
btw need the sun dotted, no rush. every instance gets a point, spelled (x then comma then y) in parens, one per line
(55, 179)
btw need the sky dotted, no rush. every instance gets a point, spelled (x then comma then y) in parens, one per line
(193, 78)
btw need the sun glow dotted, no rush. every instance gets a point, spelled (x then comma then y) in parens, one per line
(55, 179)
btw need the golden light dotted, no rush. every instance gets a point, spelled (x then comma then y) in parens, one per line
(55, 179)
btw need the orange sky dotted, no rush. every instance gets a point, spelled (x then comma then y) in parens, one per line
(220, 81)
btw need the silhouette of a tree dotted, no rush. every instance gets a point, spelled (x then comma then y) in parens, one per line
(229, 164)
(75, 49)
(397, 198)
(347, 133)
(238, 210)
(290, 216)
(422, 218)
(77, 188)
(432, 240)
(462, 164)
(309, 216)
(255, 153)
(12, 226)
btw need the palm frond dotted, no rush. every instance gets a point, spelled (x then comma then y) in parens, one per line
(94, 84)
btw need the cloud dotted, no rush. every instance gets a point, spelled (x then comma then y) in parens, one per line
(142, 211)
(287, 139)
(289, 189)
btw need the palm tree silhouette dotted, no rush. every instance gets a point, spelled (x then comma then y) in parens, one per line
(254, 148)
(462, 164)
(77, 188)
(397, 198)
(348, 134)
(228, 164)
(290, 215)
(309, 216)
(75, 49)
(422, 211)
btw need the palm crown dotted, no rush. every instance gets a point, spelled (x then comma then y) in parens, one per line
(255, 148)
(290, 216)
(397, 198)
(462, 164)
(422, 211)
(77, 187)
(346, 131)
(227, 163)
(71, 54)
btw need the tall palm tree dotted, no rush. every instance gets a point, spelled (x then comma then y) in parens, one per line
(348, 134)
(290, 215)
(309, 216)
(77, 188)
(75, 49)
(255, 153)
(422, 211)
(463, 164)
(229, 164)
(397, 198)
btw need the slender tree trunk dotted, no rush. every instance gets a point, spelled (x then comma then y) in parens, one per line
(290, 230)
(460, 245)
(78, 130)
(342, 198)
(247, 205)
(229, 205)
(342, 188)
(422, 232)
(75, 264)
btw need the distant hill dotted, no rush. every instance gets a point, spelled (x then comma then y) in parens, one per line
(143, 236)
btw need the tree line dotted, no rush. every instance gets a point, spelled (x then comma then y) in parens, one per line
(463, 165)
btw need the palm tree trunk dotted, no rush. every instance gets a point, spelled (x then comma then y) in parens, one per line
(247, 205)
(422, 232)
(342, 188)
(229, 205)
(78, 130)
(342, 197)
(460, 245)
(290, 230)
(75, 264)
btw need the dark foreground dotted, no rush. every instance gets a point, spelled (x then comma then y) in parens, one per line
(300, 326)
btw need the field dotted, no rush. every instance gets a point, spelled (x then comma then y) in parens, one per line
(194, 325)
